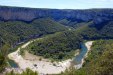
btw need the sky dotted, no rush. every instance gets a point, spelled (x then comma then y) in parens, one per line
(59, 4)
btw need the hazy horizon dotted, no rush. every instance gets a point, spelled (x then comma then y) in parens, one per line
(59, 4)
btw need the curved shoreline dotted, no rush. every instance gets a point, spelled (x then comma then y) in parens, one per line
(44, 67)
(88, 45)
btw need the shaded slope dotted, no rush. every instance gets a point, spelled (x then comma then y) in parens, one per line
(17, 31)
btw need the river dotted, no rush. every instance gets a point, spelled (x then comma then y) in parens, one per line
(12, 63)
(77, 59)
(81, 55)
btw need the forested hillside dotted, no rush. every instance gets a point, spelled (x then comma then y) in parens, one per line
(16, 31)
(63, 44)
(92, 31)
(99, 60)
(58, 46)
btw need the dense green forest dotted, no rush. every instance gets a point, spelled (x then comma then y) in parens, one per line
(99, 60)
(92, 31)
(58, 46)
(63, 44)
(17, 31)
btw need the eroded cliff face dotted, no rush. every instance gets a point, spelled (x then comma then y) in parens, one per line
(29, 14)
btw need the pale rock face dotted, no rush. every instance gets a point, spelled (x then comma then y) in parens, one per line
(28, 14)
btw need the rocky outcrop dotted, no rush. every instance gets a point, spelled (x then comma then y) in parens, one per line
(29, 14)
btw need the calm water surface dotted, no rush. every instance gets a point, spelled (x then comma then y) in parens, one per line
(83, 51)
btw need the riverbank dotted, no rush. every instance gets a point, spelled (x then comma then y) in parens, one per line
(42, 66)
(88, 45)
